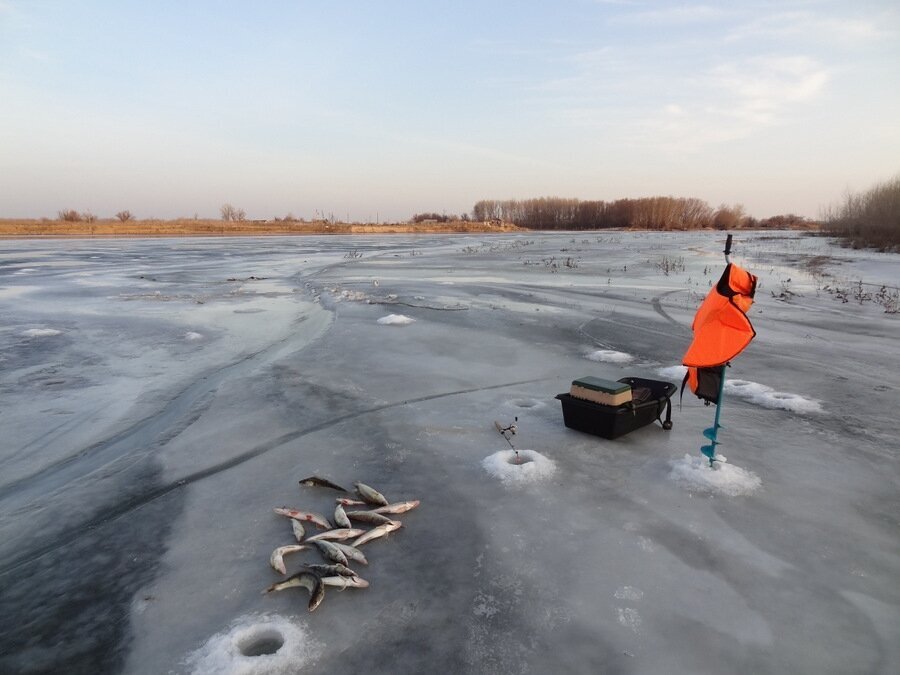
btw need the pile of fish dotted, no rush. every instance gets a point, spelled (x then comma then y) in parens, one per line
(339, 543)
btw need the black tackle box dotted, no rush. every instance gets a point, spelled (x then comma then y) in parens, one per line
(649, 399)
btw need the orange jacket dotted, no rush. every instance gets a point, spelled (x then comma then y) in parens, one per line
(721, 327)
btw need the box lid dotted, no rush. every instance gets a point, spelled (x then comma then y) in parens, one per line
(599, 384)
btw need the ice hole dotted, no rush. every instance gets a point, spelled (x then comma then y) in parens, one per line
(261, 643)
(524, 403)
(533, 467)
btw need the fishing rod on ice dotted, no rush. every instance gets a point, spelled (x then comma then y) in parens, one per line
(507, 433)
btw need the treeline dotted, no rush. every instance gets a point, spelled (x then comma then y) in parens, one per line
(437, 218)
(869, 219)
(649, 213)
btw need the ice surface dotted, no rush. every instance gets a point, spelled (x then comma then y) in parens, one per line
(139, 467)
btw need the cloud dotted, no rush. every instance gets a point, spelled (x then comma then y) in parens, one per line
(734, 100)
(799, 25)
(681, 14)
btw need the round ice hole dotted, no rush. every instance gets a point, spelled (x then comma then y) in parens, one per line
(524, 403)
(783, 397)
(739, 383)
(518, 461)
(261, 643)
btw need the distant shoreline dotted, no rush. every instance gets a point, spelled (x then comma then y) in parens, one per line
(105, 229)
(24, 228)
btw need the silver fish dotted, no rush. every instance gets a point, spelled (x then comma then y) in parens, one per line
(345, 582)
(308, 516)
(352, 553)
(331, 552)
(340, 516)
(379, 531)
(370, 495)
(338, 534)
(399, 507)
(331, 570)
(368, 517)
(299, 532)
(277, 557)
(308, 580)
(345, 501)
(315, 481)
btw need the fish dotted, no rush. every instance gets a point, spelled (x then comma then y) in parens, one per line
(277, 557)
(352, 553)
(370, 495)
(345, 582)
(368, 517)
(315, 481)
(338, 534)
(344, 501)
(340, 516)
(331, 570)
(379, 531)
(299, 532)
(305, 579)
(331, 552)
(399, 507)
(319, 521)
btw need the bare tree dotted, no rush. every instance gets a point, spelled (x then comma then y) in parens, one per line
(228, 212)
(69, 215)
(124, 216)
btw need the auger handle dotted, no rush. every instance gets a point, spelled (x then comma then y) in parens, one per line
(728, 246)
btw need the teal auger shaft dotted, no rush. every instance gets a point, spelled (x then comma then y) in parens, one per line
(709, 451)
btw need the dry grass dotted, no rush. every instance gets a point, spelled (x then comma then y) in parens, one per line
(190, 227)
(870, 219)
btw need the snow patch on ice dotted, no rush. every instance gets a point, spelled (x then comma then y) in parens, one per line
(395, 320)
(232, 651)
(673, 372)
(695, 473)
(767, 397)
(534, 467)
(753, 392)
(191, 336)
(629, 593)
(629, 618)
(354, 296)
(41, 332)
(610, 356)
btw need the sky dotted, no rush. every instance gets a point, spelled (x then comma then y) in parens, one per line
(369, 110)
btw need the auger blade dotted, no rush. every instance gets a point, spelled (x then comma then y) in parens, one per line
(712, 432)
(709, 451)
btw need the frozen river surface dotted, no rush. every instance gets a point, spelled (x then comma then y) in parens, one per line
(160, 397)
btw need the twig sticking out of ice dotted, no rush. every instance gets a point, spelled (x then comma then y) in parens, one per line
(767, 397)
(695, 473)
(40, 332)
(395, 320)
(249, 646)
(534, 466)
(610, 356)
